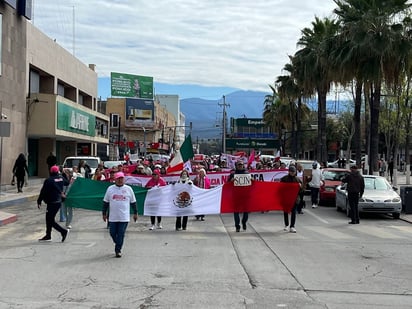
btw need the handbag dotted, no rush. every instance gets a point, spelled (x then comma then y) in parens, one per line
(13, 180)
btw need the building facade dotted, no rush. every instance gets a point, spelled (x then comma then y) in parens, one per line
(49, 97)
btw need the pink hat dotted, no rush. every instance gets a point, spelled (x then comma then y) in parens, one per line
(54, 169)
(156, 172)
(118, 175)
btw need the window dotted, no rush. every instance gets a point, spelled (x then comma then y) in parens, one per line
(114, 120)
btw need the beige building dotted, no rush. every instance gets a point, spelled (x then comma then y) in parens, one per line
(140, 125)
(49, 97)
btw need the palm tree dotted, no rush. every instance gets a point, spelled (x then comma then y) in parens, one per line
(373, 30)
(313, 68)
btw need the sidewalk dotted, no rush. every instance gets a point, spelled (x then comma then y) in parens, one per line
(9, 196)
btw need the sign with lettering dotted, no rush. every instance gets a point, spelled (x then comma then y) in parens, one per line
(74, 120)
(242, 180)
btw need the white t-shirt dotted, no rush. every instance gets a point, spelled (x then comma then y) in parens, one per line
(316, 178)
(119, 199)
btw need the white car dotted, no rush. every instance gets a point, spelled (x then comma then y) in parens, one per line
(92, 162)
(336, 165)
(379, 197)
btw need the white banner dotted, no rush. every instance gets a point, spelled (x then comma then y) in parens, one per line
(216, 179)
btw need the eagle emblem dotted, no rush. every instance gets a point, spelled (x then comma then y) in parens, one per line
(183, 200)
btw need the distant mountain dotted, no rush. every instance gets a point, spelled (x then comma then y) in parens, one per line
(206, 115)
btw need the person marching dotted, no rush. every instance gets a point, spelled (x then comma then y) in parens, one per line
(239, 169)
(291, 177)
(19, 170)
(156, 180)
(202, 181)
(181, 222)
(51, 194)
(118, 199)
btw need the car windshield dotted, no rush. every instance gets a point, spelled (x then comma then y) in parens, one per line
(75, 162)
(334, 175)
(376, 184)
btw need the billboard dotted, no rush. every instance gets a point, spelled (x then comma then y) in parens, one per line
(131, 86)
(139, 113)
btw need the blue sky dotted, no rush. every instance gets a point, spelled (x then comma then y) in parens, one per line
(216, 45)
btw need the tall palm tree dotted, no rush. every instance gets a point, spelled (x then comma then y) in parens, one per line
(313, 68)
(373, 30)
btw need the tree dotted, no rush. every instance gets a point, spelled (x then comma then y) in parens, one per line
(314, 71)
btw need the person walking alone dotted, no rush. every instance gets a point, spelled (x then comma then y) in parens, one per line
(315, 184)
(118, 199)
(355, 188)
(51, 194)
(19, 170)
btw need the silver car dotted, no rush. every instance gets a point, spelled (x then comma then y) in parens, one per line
(379, 197)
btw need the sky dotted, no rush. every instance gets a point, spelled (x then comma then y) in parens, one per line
(202, 48)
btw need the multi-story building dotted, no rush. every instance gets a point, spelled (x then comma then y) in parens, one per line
(48, 96)
(138, 125)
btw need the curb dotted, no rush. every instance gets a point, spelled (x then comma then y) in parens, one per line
(18, 200)
(6, 218)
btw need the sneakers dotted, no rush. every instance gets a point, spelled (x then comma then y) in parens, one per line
(286, 228)
(292, 230)
(244, 226)
(64, 235)
(45, 238)
(159, 226)
(118, 254)
(68, 227)
(152, 228)
(314, 206)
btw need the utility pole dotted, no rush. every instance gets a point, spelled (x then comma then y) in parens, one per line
(224, 104)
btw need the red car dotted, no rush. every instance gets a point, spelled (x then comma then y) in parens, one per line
(331, 178)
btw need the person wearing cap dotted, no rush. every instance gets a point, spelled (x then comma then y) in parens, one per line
(355, 188)
(146, 168)
(51, 194)
(291, 177)
(139, 170)
(315, 180)
(118, 199)
(239, 169)
(156, 180)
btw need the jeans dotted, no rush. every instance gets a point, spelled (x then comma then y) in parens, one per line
(314, 195)
(152, 220)
(353, 199)
(117, 231)
(292, 217)
(51, 212)
(63, 213)
(245, 217)
(181, 223)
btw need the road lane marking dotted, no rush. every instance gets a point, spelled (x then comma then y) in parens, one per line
(329, 232)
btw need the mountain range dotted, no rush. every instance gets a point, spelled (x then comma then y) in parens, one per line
(206, 115)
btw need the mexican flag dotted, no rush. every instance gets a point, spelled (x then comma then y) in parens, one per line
(188, 200)
(184, 154)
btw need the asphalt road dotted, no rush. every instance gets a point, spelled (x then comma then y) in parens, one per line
(326, 264)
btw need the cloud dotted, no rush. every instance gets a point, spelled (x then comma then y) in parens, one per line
(242, 44)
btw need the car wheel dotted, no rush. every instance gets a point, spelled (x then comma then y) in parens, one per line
(396, 215)
(337, 207)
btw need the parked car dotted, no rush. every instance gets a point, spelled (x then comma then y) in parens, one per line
(111, 164)
(92, 162)
(332, 177)
(336, 165)
(379, 197)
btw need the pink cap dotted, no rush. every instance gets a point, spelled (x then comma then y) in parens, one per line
(54, 169)
(119, 175)
(156, 172)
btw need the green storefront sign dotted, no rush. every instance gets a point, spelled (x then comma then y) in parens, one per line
(238, 143)
(250, 122)
(131, 86)
(73, 120)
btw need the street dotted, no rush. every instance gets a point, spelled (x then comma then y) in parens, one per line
(326, 264)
